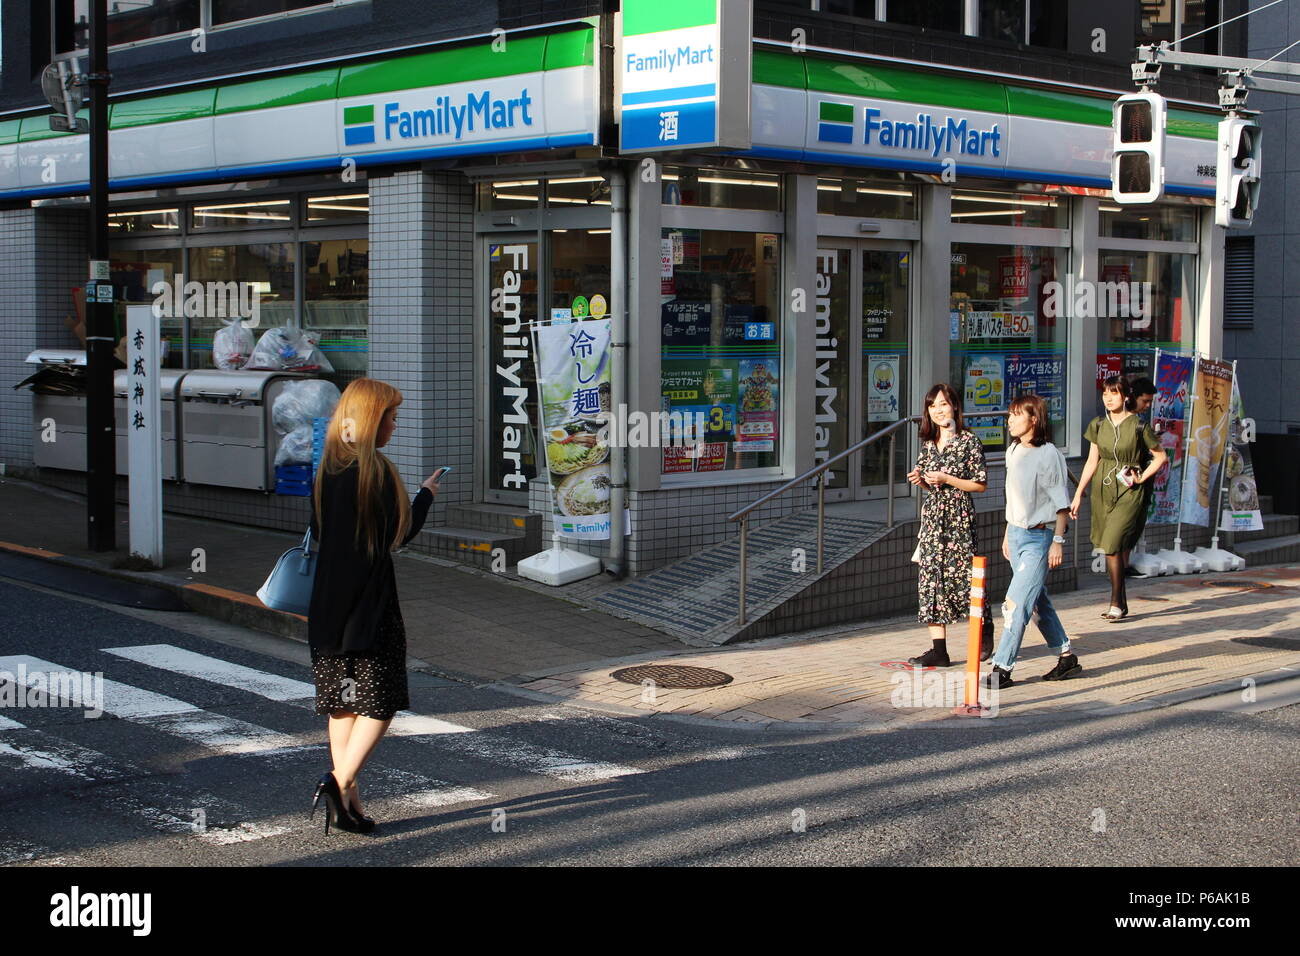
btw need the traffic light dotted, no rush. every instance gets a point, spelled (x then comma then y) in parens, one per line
(1236, 194)
(1137, 169)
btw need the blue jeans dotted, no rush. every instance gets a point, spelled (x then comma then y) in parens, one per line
(1027, 596)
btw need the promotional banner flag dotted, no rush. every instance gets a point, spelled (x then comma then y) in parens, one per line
(1242, 512)
(573, 386)
(1207, 440)
(1169, 419)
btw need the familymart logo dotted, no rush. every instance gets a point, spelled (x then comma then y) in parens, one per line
(937, 135)
(447, 115)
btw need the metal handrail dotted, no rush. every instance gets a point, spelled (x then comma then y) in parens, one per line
(819, 472)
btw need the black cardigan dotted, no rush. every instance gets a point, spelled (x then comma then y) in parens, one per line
(352, 588)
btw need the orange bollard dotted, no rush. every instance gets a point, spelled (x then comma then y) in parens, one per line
(972, 707)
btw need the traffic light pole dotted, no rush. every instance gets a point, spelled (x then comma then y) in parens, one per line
(1242, 71)
(101, 331)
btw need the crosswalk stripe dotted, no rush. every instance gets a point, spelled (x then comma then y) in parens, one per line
(7, 724)
(413, 788)
(69, 759)
(178, 660)
(406, 723)
(163, 713)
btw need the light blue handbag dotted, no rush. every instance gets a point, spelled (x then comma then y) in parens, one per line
(288, 586)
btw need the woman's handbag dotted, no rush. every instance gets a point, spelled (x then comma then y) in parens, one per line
(288, 586)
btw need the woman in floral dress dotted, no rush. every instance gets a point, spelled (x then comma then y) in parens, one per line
(950, 468)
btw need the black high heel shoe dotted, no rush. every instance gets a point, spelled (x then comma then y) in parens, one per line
(364, 823)
(335, 808)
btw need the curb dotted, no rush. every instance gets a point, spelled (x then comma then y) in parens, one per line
(222, 604)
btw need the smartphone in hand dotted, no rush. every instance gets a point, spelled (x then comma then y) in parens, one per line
(441, 472)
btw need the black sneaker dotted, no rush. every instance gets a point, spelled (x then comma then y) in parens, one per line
(1067, 666)
(930, 658)
(998, 678)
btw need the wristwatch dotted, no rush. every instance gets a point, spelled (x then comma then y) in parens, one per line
(1057, 539)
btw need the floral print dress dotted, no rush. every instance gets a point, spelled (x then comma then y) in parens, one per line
(947, 536)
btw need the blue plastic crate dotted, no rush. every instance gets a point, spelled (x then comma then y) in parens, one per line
(293, 472)
(301, 489)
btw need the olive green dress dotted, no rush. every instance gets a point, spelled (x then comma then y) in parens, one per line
(1118, 513)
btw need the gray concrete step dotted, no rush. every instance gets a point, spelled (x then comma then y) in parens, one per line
(473, 545)
(1281, 550)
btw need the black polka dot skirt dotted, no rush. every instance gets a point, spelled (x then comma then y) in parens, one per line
(370, 686)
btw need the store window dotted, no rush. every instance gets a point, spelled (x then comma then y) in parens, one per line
(572, 191)
(509, 194)
(721, 348)
(249, 214)
(269, 266)
(1167, 223)
(130, 21)
(579, 273)
(228, 11)
(1006, 337)
(1034, 22)
(927, 14)
(134, 274)
(336, 301)
(729, 188)
(143, 222)
(346, 207)
(1155, 294)
(866, 198)
(993, 208)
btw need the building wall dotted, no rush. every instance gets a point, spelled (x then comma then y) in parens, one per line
(422, 322)
(1268, 355)
(44, 258)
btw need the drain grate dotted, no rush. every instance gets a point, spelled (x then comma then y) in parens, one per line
(672, 676)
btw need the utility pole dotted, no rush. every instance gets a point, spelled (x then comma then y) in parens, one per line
(101, 330)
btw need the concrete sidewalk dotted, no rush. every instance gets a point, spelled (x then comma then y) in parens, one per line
(1185, 637)
(460, 622)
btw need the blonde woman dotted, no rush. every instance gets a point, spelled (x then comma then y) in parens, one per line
(358, 641)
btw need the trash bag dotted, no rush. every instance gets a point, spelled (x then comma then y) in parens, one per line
(285, 348)
(232, 346)
(300, 402)
(295, 448)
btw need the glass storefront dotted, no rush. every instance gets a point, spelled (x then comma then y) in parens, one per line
(1004, 342)
(862, 375)
(1151, 298)
(512, 380)
(721, 335)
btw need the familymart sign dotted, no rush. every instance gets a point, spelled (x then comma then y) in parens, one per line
(683, 71)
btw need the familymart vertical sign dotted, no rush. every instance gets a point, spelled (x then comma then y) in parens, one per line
(684, 69)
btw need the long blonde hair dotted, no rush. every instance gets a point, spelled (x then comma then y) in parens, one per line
(350, 439)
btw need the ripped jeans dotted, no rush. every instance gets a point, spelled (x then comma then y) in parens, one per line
(1027, 596)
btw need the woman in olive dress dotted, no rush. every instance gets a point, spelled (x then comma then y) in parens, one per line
(1127, 454)
(951, 468)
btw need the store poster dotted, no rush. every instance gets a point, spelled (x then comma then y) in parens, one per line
(1013, 273)
(573, 361)
(882, 389)
(1242, 512)
(760, 405)
(1041, 375)
(703, 387)
(1173, 381)
(1211, 412)
(985, 391)
(1107, 366)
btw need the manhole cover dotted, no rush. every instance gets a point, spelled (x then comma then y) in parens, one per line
(1244, 585)
(672, 675)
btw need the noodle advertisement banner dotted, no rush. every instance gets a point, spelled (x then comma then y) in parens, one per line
(1169, 419)
(1242, 512)
(574, 402)
(1205, 444)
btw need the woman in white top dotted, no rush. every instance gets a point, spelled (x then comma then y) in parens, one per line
(1038, 513)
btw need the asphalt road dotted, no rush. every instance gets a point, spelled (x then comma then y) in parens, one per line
(196, 763)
